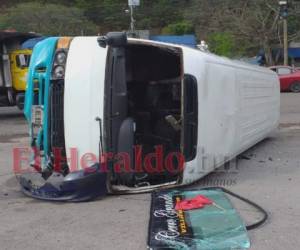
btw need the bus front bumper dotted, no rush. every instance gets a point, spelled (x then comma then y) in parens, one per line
(83, 185)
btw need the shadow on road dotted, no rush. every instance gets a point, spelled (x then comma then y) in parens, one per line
(10, 114)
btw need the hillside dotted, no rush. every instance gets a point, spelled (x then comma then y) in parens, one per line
(232, 27)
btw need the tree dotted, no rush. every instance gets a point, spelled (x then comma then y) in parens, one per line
(161, 13)
(247, 25)
(110, 15)
(222, 43)
(47, 19)
(257, 22)
(152, 14)
(179, 28)
(253, 24)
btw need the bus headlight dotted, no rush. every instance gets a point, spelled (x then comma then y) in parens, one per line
(59, 72)
(61, 58)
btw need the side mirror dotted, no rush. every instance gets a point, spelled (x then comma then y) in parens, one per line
(113, 39)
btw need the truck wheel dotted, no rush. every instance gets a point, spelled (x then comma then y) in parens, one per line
(295, 87)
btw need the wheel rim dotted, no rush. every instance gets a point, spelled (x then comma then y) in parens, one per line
(295, 87)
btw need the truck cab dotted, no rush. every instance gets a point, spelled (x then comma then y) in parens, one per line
(14, 63)
(19, 63)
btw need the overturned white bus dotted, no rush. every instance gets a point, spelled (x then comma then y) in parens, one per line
(122, 115)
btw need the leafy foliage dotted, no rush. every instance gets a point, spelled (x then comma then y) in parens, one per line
(232, 27)
(180, 28)
(222, 44)
(48, 19)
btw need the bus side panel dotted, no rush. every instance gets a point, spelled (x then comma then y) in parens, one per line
(238, 107)
(258, 112)
(219, 112)
(218, 104)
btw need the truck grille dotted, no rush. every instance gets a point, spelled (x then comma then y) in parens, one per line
(56, 116)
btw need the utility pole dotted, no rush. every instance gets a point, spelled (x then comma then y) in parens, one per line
(132, 21)
(285, 42)
(283, 15)
(132, 4)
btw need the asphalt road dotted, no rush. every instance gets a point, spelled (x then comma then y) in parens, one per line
(268, 173)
